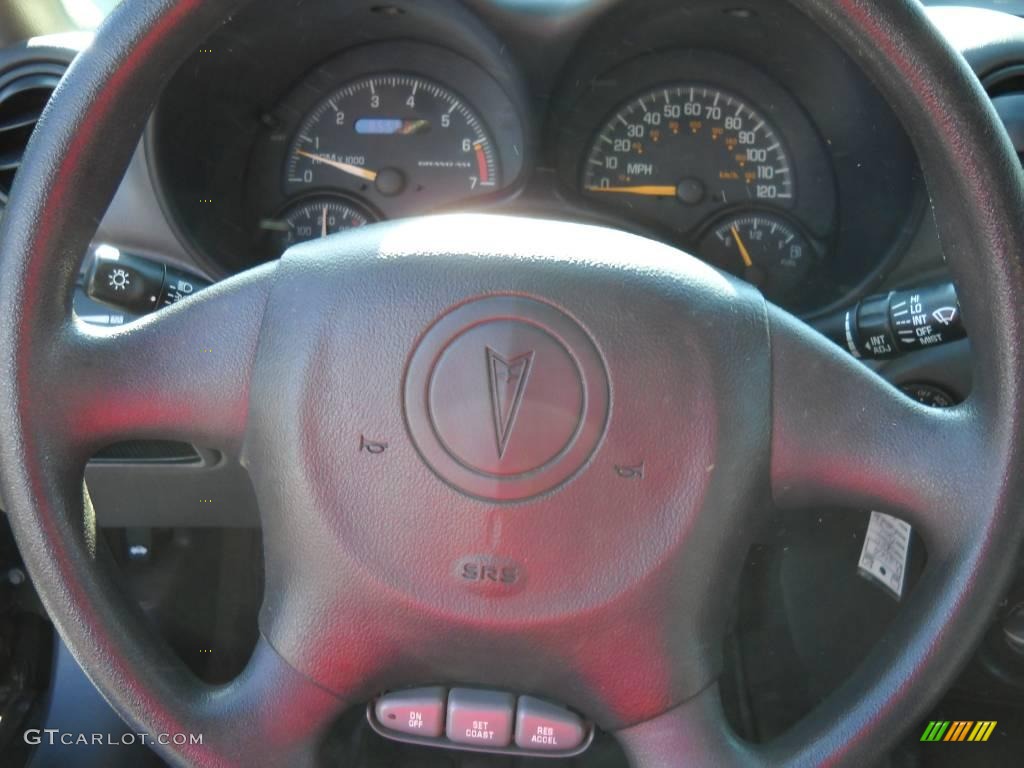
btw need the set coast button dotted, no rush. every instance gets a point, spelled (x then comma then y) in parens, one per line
(480, 718)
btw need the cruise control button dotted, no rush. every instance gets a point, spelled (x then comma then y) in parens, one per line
(417, 712)
(482, 718)
(545, 727)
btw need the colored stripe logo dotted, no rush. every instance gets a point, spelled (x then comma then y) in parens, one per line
(958, 730)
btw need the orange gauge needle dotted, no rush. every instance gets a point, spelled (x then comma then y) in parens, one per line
(743, 248)
(353, 170)
(648, 190)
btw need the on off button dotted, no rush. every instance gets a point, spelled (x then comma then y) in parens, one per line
(419, 712)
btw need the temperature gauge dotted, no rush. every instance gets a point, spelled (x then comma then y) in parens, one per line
(764, 249)
(313, 218)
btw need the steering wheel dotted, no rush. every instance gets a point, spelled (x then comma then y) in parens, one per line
(591, 413)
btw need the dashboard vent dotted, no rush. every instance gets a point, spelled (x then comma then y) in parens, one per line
(24, 92)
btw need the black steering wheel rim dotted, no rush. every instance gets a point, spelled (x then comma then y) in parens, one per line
(271, 714)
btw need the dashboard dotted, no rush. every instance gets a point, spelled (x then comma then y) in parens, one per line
(731, 129)
(737, 132)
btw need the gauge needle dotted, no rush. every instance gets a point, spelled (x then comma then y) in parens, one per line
(743, 248)
(323, 223)
(648, 190)
(354, 170)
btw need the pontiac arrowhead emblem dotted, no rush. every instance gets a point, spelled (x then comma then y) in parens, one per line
(508, 383)
(526, 425)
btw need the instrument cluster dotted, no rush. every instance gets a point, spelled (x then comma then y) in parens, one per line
(702, 148)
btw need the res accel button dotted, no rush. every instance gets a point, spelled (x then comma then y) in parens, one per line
(417, 712)
(544, 727)
(481, 718)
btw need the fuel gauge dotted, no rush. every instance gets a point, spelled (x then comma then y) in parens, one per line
(764, 249)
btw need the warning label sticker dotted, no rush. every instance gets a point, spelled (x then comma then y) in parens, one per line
(883, 558)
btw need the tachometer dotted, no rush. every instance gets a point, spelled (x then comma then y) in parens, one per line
(688, 146)
(392, 135)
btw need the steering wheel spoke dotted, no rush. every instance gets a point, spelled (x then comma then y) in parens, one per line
(182, 373)
(843, 436)
(693, 733)
(268, 715)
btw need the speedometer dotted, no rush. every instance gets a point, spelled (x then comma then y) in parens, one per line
(688, 149)
(393, 136)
